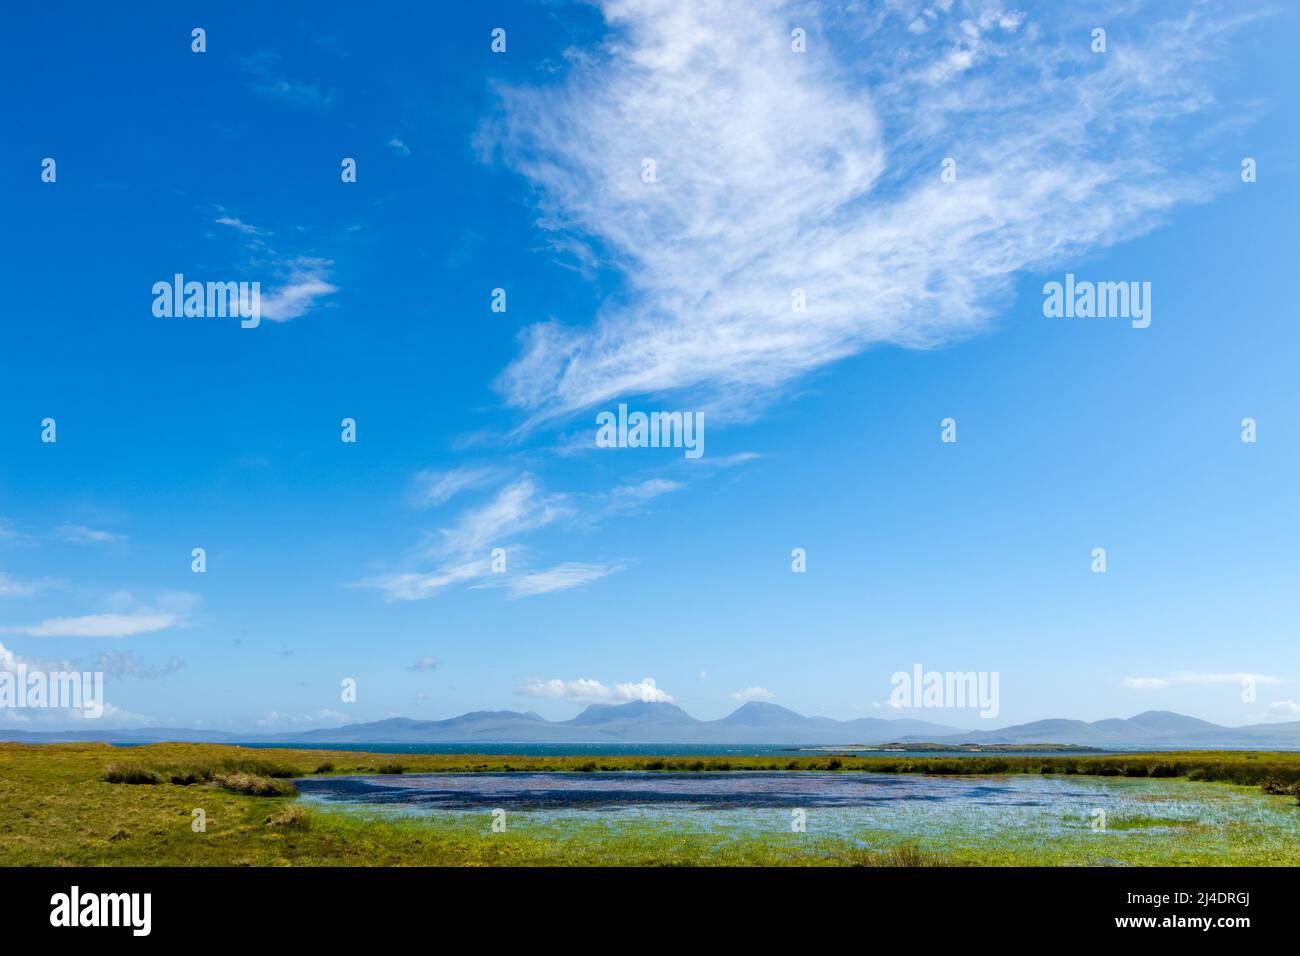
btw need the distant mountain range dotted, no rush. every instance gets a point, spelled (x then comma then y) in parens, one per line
(1156, 729)
(754, 723)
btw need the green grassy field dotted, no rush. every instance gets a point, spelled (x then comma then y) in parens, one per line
(58, 807)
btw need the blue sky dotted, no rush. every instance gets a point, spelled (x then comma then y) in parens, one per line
(636, 573)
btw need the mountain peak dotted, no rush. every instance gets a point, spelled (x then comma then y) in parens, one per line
(487, 714)
(634, 710)
(1168, 720)
(757, 712)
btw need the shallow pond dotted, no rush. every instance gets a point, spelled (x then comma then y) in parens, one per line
(1107, 819)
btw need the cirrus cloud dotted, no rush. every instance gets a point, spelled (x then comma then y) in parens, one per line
(126, 618)
(777, 171)
(1196, 679)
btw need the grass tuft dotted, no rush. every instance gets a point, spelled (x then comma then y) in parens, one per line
(292, 817)
(254, 785)
(130, 773)
(905, 854)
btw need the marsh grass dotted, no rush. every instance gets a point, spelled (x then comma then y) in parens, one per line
(58, 807)
(206, 771)
(905, 854)
(292, 816)
(254, 785)
(1282, 788)
(129, 773)
(1148, 823)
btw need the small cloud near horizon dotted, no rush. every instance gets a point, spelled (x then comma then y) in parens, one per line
(587, 691)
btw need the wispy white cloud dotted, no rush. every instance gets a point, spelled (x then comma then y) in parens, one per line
(645, 490)
(1145, 683)
(461, 552)
(1240, 677)
(433, 488)
(301, 284)
(1284, 709)
(296, 92)
(426, 662)
(753, 693)
(237, 224)
(16, 587)
(126, 619)
(291, 284)
(267, 80)
(587, 691)
(723, 461)
(627, 499)
(562, 577)
(400, 146)
(518, 508)
(99, 625)
(1198, 680)
(325, 716)
(419, 585)
(80, 534)
(779, 171)
(11, 662)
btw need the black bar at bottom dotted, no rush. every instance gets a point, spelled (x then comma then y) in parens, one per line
(381, 905)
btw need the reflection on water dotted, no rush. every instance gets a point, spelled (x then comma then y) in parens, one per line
(959, 817)
(957, 810)
(594, 791)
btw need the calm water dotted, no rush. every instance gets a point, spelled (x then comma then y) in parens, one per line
(859, 807)
(596, 791)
